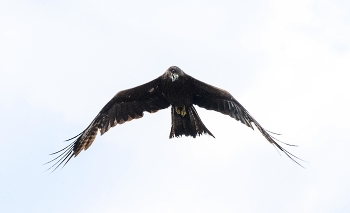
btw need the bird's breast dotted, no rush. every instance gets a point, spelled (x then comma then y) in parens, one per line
(178, 93)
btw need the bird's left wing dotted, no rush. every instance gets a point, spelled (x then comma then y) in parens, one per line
(125, 106)
(214, 98)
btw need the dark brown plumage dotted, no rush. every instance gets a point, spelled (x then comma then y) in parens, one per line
(173, 88)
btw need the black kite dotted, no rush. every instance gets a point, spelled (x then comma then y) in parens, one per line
(176, 89)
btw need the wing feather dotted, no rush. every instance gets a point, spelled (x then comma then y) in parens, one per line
(125, 106)
(124, 111)
(112, 114)
(118, 115)
(208, 97)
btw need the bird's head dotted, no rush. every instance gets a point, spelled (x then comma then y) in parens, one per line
(174, 73)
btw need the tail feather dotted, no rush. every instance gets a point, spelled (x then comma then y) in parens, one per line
(189, 125)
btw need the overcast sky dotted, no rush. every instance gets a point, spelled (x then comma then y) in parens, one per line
(286, 62)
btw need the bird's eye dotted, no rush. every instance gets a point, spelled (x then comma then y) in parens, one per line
(172, 70)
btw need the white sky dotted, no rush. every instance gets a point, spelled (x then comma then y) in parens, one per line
(287, 62)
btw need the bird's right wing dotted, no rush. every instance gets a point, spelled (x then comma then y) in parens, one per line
(214, 98)
(125, 106)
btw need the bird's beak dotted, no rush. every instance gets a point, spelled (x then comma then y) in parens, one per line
(174, 76)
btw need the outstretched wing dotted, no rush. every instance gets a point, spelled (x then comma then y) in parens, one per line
(125, 106)
(213, 98)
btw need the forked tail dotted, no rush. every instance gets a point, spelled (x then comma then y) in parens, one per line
(185, 121)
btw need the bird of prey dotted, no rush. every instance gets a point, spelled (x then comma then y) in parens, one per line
(176, 89)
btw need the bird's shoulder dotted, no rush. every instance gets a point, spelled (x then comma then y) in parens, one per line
(204, 89)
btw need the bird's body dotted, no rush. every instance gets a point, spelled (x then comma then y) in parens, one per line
(176, 89)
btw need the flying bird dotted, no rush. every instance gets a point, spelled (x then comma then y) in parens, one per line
(176, 89)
